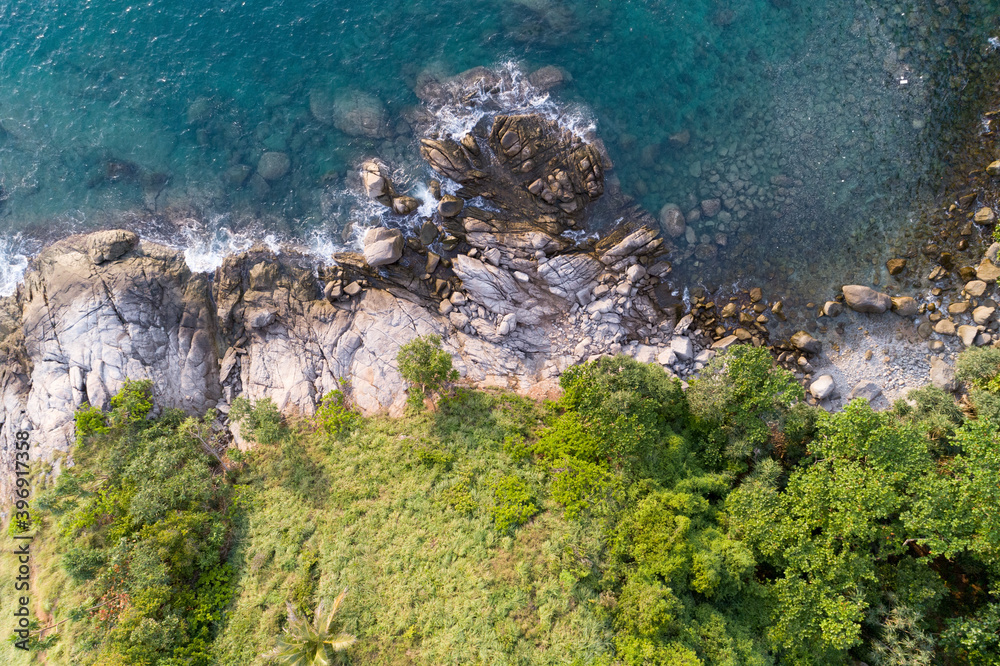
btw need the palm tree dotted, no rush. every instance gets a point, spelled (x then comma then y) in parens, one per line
(306, 644)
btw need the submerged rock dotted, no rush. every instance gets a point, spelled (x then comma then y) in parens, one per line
(273, 165)
(350, 110)
(672, 220)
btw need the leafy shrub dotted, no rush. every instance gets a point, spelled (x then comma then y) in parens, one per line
(934, 413)
(426, 367)
(432, 455)
(459, 496)
(334, 414)
(132, 404)
(513, 502)
(569, 436)
(260, 421)
(628, 408)
(580, 485)
(975, 640)
(89, 420)
(979, 366)
(82, 564)
(741, 399)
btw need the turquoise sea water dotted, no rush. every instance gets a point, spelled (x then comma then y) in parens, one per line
(821, 121)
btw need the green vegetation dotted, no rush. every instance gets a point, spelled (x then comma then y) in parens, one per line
(630, 522)
(426, 368)
(305, 644)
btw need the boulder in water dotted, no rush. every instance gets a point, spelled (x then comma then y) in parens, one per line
(672, 220)
(273, 165)
(404, 205)
(450, 206)
(350, 110)
(865, 299)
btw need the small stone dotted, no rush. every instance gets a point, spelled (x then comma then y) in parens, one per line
(725, 343)
(682, 347)
(958, 308)
(867, 390)
(332, 291)
(450, 205)
(982, 315)
(756, 294)
(993, 169)
(375, 180)
(680, 139)
(353, 289)
(805, 342)
(975, 288)
(967, 334)
(925, 330)
(458, 320)
(635, 273)
(432, 263)
(896, 266)
(521, 277)
(904, 306)
(383, 246)
(666, 357)
(985, 216)
(458, 298)
(445, 307)
(778, 310)
(729, 310)
(945, 327)
(823, 387)
(988, 271)
(833, 308)
(942, 375)
(507, 324)
(711, 207)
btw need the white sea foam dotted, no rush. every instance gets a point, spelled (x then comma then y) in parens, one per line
(463, 105)
(205, 252)
(13, 263)
(994, 43)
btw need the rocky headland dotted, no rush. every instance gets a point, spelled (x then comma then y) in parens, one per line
(504, 270)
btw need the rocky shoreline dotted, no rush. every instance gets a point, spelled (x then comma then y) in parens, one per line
(497, 271)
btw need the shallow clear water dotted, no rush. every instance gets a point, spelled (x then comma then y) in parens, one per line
(820, 122)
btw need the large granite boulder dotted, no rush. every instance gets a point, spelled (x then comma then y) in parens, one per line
(383, 246)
